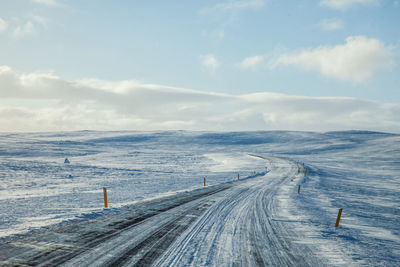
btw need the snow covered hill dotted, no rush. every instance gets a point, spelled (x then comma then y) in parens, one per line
(356, 171)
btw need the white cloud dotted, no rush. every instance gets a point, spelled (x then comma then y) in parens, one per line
(331, 24)
(251, 62)
(21, 31)
(3, 25)
(356, 60)
(209, 62)
(47, 2)
(45, 102)
(345, 4)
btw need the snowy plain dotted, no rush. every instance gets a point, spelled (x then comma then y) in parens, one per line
(356, 171)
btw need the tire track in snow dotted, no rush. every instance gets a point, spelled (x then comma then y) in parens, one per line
(95, 240)
(223, 225)
(239, 229)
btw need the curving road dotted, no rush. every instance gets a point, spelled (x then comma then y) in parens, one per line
(239, 228)
(223, 225)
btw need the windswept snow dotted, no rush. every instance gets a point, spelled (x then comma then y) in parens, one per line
(263, 214)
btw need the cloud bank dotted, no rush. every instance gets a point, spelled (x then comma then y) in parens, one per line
(356, 60)
(45, 102)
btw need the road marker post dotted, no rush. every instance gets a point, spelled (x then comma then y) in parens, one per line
(105, 197)
(298, 190)
(204, 181)
(338, 217)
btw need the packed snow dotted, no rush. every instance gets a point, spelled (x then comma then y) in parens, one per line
(47, 178)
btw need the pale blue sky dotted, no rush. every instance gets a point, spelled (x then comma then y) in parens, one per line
(327, 48)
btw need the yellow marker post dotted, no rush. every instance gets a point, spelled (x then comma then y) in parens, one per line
(204, 181)
(105, 197)
(298, 190)
(338, 217)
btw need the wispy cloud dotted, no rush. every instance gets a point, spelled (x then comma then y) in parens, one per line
(233, 6)
(356, 60)
(239, 5)
(39, 19)
(28, 26)
(345, 4)
(331, 24)
(47, 2)
(45, 102)
(3, 25)
(26, 29)
(227, 13)
(210, 62)
(251, 62)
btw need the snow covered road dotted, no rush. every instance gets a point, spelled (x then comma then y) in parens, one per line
(234, 223)
(240, 229)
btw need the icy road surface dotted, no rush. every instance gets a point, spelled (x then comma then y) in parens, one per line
(160, 213)
(235, 223)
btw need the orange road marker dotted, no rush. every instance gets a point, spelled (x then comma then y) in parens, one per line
(105, 197)
(338, 217)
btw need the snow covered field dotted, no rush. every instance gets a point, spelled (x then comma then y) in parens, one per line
(356, 171)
